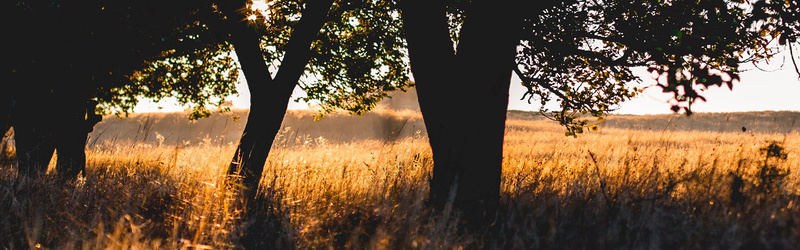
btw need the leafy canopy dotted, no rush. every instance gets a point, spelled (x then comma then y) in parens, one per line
(125, 50)
(580, 54)
(357, 58)
(158, 49)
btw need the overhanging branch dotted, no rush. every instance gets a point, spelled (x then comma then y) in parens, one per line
(543, 84)
(791, 54)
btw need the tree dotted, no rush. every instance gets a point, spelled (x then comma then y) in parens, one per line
(269, 96)
(71, 55)
(350, 48)
(583, 60)
(158, 49)
(778, 20)
(577, 54)
(463, 96)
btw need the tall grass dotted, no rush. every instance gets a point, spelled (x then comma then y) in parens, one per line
(617, 188)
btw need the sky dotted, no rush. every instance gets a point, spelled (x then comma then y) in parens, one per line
(757, 91)
(776, 89)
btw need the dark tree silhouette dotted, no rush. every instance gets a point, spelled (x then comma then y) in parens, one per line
(575, 54)
(69, 56)
(779, 20)
(463, 96)
(269, 96)
(116, 52)
(350, 48)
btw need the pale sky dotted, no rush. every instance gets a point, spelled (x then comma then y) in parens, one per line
(758, 90)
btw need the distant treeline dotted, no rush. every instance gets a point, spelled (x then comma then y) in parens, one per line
(300, 126)
(768, 122)
(756, 121)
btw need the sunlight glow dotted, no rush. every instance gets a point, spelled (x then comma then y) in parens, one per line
(758, 91)
(762, 88)
(260, 6)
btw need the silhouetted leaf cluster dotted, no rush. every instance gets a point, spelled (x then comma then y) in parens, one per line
(579, 54)
(124, 50)
(358, 57)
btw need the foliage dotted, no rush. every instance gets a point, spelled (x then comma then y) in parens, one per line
(580, 54)
(157, 49)
(778, 20)
(357, 58)
(124, 50)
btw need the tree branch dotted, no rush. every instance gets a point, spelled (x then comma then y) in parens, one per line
(298, 49)
(791, 54)
(245, 41)
(543, 84)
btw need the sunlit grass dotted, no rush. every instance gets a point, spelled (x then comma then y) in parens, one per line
(615, 188)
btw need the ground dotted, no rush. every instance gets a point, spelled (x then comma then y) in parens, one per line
(668, 181)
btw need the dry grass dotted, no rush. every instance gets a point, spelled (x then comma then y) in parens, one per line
(617, 188)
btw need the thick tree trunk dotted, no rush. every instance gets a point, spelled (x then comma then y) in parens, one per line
(268, 98)
(45, 123)
(48, 117)
(35, 147)
(33, 131)
(432, 61)
(6, 102)
(464, 105)
(70, 150)
(49, 114)
(77, 122)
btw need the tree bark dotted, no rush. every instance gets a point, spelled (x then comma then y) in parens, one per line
(432, 61)
(269, 97)
(464, 99)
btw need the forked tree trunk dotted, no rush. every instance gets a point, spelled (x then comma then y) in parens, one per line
(432, 61)
(269, 97)
(464, 97)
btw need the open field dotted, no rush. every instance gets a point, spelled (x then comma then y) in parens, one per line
(664, 182)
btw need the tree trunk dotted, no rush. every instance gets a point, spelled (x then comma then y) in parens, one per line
(6, 102)
(35, 147)
(464, 105)
(269, 97)
(33, 133)
(432, 59)
(48, 113)
(78, 121)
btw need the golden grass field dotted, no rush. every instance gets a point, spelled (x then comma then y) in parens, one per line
(662, 182)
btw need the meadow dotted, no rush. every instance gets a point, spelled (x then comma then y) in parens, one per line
(157, 181)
